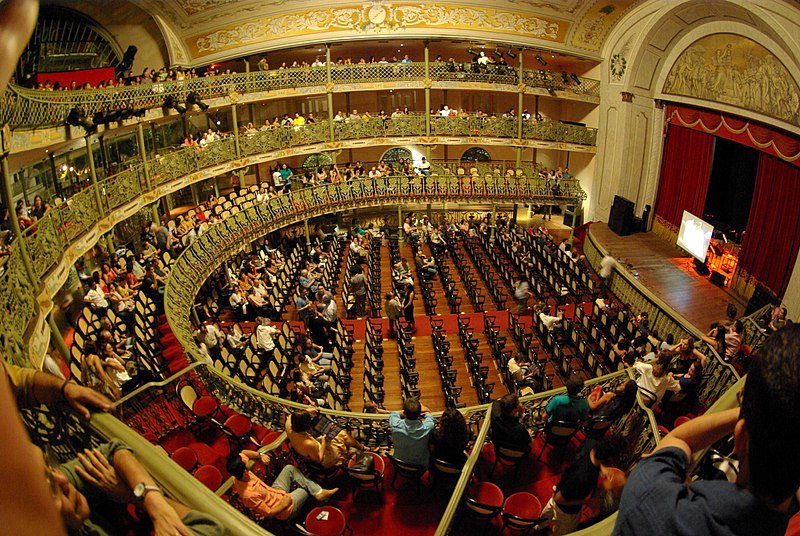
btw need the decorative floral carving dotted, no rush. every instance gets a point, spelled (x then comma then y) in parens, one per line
(618, 65)
(378, 18)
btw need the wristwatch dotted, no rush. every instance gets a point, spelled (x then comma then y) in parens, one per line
(143, 489)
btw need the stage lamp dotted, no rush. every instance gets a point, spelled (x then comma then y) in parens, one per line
(575, 78)
(170, 103)
(193, 99)
(498, 53)
(511, 54)
(564, 77)
(540, 59)
(77, 118)
(471, 51)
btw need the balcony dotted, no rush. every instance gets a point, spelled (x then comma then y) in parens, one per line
(23, 108)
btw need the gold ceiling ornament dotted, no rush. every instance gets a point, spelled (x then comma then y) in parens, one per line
(380, 18)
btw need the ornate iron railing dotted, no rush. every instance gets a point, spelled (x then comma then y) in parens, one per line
(30, 108)
(718, 376)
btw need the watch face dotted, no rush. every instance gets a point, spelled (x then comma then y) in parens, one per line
(138, 491)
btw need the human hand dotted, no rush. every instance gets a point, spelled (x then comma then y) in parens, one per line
(82, 399)
(95, 469)
(166, 521)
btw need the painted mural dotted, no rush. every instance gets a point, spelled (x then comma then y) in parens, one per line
(735, 70)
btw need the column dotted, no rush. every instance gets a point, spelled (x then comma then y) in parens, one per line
(8, 201)
(514, 215)
(329, 92)
(195, 193)
(308, 235)
(235, 120)
(520, 104)
(156, 216)
(400, 223)
(58, 339)
(110, 241)
(54, 171)
(518, 151)
(493, 223)
(143, 155)
(427, 93)
(93, 177)
(154, 135)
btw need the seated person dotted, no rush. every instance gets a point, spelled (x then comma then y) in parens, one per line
(92, 492)
(612, 404)
(659, 498)
(507, 428)
(451, 437)
(425, 264)
(563, 511)
(525, 373)
(654, 379)
(411, 430)
(276, 501)
(326, 452)
(551, 322)
(690, 382)
(570, 407)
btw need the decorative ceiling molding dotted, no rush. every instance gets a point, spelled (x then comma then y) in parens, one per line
(591, 31)
(378, 19)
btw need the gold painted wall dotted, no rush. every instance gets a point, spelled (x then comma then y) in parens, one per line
(735, 70)
(378, 19)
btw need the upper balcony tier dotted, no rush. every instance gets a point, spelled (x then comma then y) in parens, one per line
(23, 108)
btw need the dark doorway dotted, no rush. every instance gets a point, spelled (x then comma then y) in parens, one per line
(730, 190)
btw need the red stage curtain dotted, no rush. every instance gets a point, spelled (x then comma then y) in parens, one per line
(762, 137)
(770, 246)
(685, 173)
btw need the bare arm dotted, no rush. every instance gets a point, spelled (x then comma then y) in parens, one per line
(701, 432)
(165, 518)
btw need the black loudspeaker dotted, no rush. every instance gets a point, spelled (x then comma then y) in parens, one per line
(761, 297)
(621, 218)
(701, 268)
(718, 278)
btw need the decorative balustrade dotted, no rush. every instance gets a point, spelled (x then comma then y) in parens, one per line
(30, 108)
(718, 376)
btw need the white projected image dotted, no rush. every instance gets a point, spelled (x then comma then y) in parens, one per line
(695, 236)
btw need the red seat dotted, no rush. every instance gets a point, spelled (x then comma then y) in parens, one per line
(186, 458)
(484, 501)
(209, 476)
(237, 425)
(204, 406)
(333, 525)
(521, 511)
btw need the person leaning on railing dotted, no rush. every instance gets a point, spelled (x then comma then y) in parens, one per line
(766, 430)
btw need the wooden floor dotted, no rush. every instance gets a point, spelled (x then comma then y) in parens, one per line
(670, 274)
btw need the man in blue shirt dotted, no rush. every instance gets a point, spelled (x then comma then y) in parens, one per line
(570, 407)
(766, 430)
(411, 429)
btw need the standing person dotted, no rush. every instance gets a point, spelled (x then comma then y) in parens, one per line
(606, 269)
(264, 341)
(658, 498)
(358, 286)
(394, 309)
(408, 306)
(521, 294)
(563, 511)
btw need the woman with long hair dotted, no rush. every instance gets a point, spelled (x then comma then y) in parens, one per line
(613, 404)
(451, 437)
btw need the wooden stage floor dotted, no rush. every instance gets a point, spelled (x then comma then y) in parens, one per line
(670, 274)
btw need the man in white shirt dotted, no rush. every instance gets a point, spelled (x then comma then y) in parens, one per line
(424, 167)
(551, 322)
(264, 340)
(96, 297)
(654, 380)
(209, 335)
(606, 269)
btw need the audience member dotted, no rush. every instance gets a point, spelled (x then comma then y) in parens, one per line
(411, 430)
(450, 438)
(507, 428)
(278, 501)
(660, 498)
(326, 451)
(570, 407)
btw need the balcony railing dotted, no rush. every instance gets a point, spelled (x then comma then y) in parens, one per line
(31, 108)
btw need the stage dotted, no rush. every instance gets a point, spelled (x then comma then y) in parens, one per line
(669, 272)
